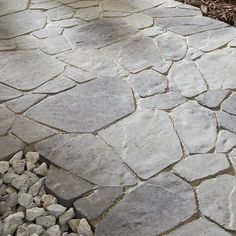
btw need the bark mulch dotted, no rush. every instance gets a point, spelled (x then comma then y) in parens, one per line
(224, 10)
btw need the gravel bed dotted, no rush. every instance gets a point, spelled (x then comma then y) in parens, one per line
(25, 207)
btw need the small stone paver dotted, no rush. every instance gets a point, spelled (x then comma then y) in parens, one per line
(26, 71)
(146, 152)
(200, 166)
(98, 202)
(192, 121)
(188, 81)
(148, 82)
(212, 98)
(152, 202)
(65, 186)
(17, 24)
(30, 131)
(217, 200)
(163, 101)
(63, 151)
(199, 227)
(111, 93)
(172, 46)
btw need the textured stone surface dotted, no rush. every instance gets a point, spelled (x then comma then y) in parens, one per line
(99, 201)
(64, 150)
(6, 45)
(201, 166)
(6, 119)
(199, 227)
(212, 98)
(189, 25)
(165, 199)
(192, 121)
(24, 102)
(10, 6)
(145, 151)
(26, 68)
(100, 33)
(217, 65)
(164, 101)
(229, 105)
(185, 78)
(148, 82)
(139, 20)
(65, 186)
(30, 131)
(57, 85)
(226, 121)
(8, 93)
(88, 14)
(60, 13)
(225, 141)
(9, 145)
(210, 40)
(98, 63)
(172, 46)
(48, 32)
(17, 24)
(217, 200)
(59, 112)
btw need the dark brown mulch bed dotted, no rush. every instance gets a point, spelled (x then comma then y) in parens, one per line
(224, 10)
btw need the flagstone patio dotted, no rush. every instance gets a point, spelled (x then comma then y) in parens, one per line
(135, 100)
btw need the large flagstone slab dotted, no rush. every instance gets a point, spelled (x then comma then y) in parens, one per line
(87, 157)
(10, 6)
(86, 108)
(18, 23)
(26, 70)
(154, 207)
(146, 141)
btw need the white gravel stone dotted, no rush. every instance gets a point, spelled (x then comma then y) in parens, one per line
(35, 189)
(53, 231)
(17, 156)
(48, 200)
(32, 157)
(42, 170)
(4, 166)
(66, 216)
(56, 209)
(25, 200)
(46, 221)
(19, 166)
(84, 228)
(33, 213)
(20, 181)
(33, 228)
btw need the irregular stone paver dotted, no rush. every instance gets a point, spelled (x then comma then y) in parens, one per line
(117, 6)
(65, 186)
(217, 65)
(200, 227)
(185, 79)
(164, 101)
(196, 127)
(21, 104)
(8, 93)
(139, 20)
(148, 82)
(78, 75)
(200, 166)
(98, 63)
(99, 201)
(54, 45)
(132, 55)
(88, 14)
(153, 31)
(30, 131)
(48, 32)
(26, 42)
(225, 141)
(210, 40)
(6, 119)
(84, 4)
(25, 71)
(217, 200)
(17, 24)
(212, 98)
(193, 54)
(6, 45)
(59, 84)
(60, 13)
(165, 199)
(109, 96)
(172, 46)
(229, 105)
(9, 145)
(97, 162)
(226, 121)
(100, 33)
(44, 5)
(10, 6)
(189, 25)
(145, 151)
